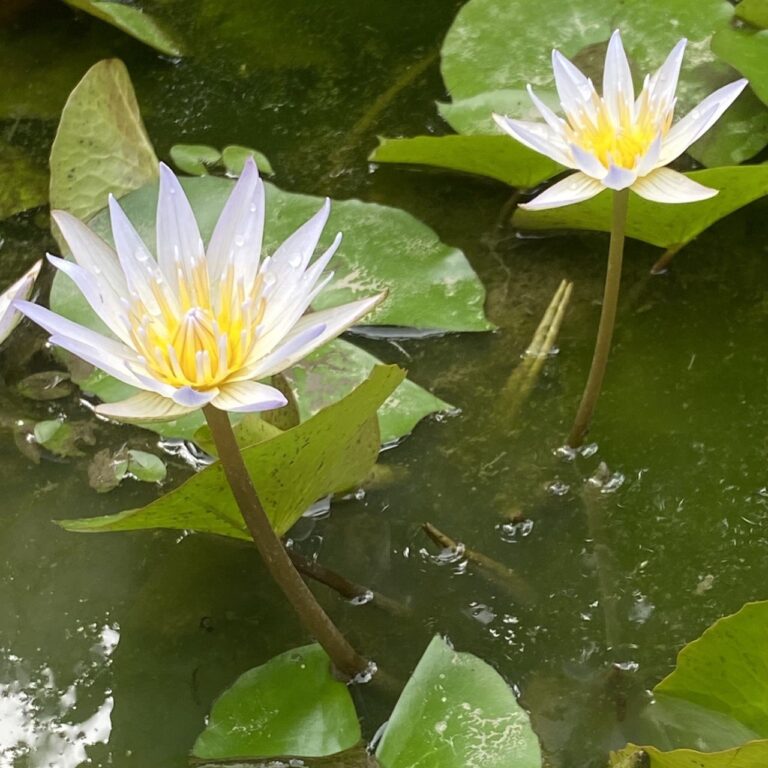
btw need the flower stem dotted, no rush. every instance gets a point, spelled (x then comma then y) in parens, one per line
(315, 620)
(607, 321)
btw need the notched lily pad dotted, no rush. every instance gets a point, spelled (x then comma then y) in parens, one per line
(46, 385)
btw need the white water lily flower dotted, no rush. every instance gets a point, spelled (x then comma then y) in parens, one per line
(9, 314)
(197, 326)
(616, 141)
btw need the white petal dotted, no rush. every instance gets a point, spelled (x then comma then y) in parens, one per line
(107, 308)
(576, 91)
(572, 189)
(292, 256)
(19, 290)
(651, 158)
(554, 121)
(619, 178)
(667, 186)
(662, 84)
(311, 332)
(100, 351)
(290, 302)
(179, 244)
(138, 266)
(188, 397)
(587, 163)
(698, 121)
(90, 251)
(538, 137)
(146, 406)
(618, 91)
(248, 397)
(239, 230)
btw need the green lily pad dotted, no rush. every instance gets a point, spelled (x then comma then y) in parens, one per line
(754, 12)
(234, 157)
(492, 156)
(723, 673)
(331, 452)
(496, 47)
(339, 367)
(290, 706)
(101, 145)
(131, 20)
(26, 184)
(194, 159)
(668, 226)
(747, 51)
(146, 466)
(457, 711)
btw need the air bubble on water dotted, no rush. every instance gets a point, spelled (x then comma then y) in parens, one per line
(558, 488)
(362, 599)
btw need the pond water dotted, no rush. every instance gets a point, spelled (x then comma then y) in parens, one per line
(112, 647)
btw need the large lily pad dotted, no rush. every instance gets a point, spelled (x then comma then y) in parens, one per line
(457, 711)
(290, 706)
(723, 679)
(495, 46)
(431, 286)
(667, 226)
(131, 20)
(747, 51)
(492, 156)
(331, 452)
(101, 145)
(337, 368)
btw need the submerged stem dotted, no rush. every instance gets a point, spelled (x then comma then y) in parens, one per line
(607, 321)
(344, 657)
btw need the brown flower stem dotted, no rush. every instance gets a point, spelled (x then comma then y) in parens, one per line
(315, 620)
(607, 321)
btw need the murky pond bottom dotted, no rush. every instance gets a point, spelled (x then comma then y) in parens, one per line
(112, 647)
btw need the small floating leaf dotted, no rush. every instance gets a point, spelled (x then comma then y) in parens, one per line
(754, 12)
(457, 711)
(107, 469)
(194, 159)
(290, 706)
(234, 157)
(46, 385)
(146, 466)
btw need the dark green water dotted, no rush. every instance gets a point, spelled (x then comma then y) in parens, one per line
(121, 642)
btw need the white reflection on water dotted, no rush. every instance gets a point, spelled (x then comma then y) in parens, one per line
(39, 721)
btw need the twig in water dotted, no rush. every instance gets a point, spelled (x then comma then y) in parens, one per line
(344, 587)
(490, 569)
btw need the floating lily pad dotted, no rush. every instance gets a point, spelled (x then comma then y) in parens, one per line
(667, 226)
(146, 466)
(101, 145)
(290, 706)
(747, 51)
(495, 46)
(131, 20)
(754, 12)
(492, 156)
(194, 159)
(457, 711)
(723, 673)
(331, 452)
(234, 157)
(339, 367)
